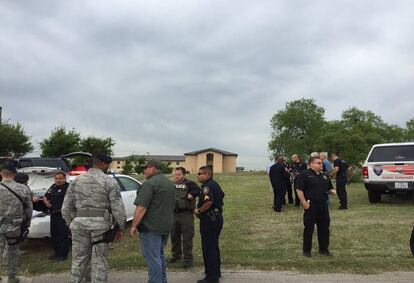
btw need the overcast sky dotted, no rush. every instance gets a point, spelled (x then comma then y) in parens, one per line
(168, 77)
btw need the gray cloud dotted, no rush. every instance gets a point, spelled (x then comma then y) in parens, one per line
(171, 77)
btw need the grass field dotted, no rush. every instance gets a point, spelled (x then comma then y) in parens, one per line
(366, 238)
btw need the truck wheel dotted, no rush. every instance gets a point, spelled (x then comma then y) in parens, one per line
(374, 197)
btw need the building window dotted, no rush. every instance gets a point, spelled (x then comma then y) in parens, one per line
(119, 167)
(118, 162)
(177, 163)
(210, 160)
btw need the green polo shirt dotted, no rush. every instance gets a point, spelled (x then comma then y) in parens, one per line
(157, 195)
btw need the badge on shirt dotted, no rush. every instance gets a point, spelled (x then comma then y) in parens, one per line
(206, 197)
(206, 190)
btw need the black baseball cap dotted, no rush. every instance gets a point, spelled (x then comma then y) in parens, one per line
(21, 178)
(103, 157)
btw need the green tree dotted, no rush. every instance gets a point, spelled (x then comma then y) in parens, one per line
(409, 132)
(166, 167)
(60, 142)
(128, 166)
(14, 141)
(97, 145)
(138, 166)
(296, 128)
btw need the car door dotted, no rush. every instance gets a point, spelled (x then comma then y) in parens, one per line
(129, 187)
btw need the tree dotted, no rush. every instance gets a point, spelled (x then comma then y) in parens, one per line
(297, 128)
(97, 145)
(354, 135)
(60, 142)
(13, 142)
(409, 131)
(138, 167)
(165, 167)
(127, 168)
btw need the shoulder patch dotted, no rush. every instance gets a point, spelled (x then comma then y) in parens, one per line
(206, 190)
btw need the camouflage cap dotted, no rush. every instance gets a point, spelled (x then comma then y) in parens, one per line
(152, 162)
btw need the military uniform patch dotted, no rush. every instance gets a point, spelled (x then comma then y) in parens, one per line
(206, 190)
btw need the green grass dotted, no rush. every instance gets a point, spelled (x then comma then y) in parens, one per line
(365, 239)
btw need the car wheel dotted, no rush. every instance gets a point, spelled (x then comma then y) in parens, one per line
(374, 197)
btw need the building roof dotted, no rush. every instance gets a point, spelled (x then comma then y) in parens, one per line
(211, 149)
(156, 157)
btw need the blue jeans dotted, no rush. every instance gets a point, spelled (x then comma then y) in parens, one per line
(152, 247)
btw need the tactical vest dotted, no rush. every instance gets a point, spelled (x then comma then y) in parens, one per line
(181, 197)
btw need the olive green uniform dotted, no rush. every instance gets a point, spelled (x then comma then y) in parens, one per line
(182, 232)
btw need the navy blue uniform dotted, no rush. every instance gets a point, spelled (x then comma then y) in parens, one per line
(316, 188)
(59, 232)
(211, 223)
(278, 175)
(341, 182)
(296, 168)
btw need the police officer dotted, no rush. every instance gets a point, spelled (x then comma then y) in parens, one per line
(182, 232)
(92, 205)
(313, 188)
(278, 175)
(340, 171)
(14, 217)
(209, 210)
(288, 183)
(296, 168)
(59, 232)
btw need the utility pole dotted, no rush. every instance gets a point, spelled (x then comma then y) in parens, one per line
(1, 109)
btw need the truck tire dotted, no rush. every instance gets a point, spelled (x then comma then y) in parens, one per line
(374, 197)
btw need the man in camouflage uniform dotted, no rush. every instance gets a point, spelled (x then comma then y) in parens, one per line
(13, 212)
(92, 205)
(182, 232)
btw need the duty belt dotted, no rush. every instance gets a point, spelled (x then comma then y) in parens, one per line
(90, 212)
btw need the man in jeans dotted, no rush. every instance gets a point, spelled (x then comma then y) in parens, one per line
(153, 218)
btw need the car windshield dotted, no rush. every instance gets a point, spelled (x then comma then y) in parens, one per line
(41, 162)
(400, 153)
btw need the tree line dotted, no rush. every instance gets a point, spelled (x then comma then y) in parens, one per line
(301, 127)
(15, 143)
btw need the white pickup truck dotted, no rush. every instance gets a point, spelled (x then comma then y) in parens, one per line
(389, 168)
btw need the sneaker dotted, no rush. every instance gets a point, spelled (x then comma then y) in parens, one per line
(307, 254)
(206, 281)
(187, 264)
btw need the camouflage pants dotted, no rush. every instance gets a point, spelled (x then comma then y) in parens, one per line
(89, 263)
(12, 258)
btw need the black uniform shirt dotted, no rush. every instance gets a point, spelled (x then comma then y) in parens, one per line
(315, 187)
(55, 195)
(298, 167)
(342, 167)
(278, 174)
(211, 191)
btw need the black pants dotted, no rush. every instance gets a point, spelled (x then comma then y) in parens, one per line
(289, 191)
(279, 196)
(341, 192)
(412, 242)
(210, 233)
(60, 235)
(318, 213)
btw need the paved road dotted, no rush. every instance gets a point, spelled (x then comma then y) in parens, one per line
(243, 277)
